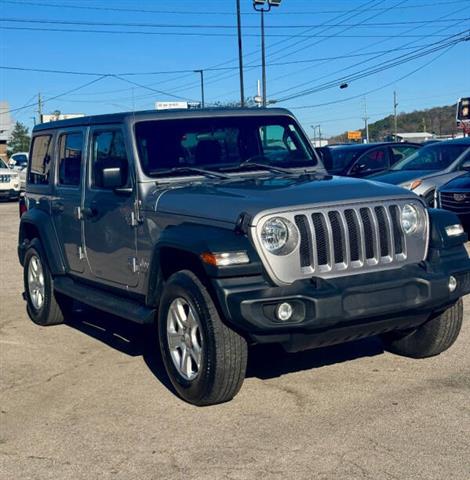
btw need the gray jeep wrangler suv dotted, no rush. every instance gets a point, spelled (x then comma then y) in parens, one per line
(223, 227)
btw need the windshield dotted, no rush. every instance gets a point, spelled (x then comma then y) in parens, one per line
(20, 160)
(337, 160)
(221, 143)
(3, 164)
(433, 157)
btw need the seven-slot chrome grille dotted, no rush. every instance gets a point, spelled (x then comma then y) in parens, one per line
(347, 239)
(457, 202)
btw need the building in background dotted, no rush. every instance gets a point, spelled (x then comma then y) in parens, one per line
(415, 137)
(6, 127)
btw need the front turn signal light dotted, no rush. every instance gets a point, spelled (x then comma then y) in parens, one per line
(225, 259)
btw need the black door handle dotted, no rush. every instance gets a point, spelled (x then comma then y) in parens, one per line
(57, 207)
(89, 212)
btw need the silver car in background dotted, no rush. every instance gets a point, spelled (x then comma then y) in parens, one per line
(429, 168)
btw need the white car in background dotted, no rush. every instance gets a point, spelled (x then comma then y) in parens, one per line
(9, 182)
(19, 162)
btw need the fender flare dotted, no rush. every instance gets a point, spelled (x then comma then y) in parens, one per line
(192, 240)
(41, 222)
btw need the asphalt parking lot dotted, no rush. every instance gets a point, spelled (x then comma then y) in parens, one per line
(89, 400)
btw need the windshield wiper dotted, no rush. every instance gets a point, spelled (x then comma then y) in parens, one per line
(198, 171)
(251, 162)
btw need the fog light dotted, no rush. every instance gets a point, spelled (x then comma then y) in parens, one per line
(452, 284)
(284, 311)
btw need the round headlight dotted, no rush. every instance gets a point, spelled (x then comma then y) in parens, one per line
(409, 219)
(279, 236)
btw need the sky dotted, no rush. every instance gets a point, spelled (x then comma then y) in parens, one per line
(375, 47)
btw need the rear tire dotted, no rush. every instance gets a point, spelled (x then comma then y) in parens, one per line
(430, 339)
(44, 306)
(188, 319)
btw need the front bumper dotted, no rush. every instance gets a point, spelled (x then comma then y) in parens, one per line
(342, 309)
(9, 193)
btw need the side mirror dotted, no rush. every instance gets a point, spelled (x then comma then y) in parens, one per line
(466, 165)
(112, 177)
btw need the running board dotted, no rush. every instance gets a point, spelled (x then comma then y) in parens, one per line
(108, 302)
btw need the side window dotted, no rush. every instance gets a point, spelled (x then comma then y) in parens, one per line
(109, 152)
(70, 158)
(371, 161)
(401, 152)
(41, 160)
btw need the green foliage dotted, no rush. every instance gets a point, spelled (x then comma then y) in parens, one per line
(438, 120)
(19, 140)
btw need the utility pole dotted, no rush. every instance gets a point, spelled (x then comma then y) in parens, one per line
(39, 108)
(240, 56)
(366, 120)
(201, 72)
(395, 120)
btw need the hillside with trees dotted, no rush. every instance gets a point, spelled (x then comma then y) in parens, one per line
(438, 120)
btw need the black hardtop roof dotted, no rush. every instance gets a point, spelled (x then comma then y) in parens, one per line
(121, 117)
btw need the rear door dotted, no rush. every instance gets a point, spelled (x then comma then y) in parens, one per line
(109, 214)
(70, 154)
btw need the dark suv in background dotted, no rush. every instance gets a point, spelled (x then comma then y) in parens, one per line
(223, 228)
(361, 160)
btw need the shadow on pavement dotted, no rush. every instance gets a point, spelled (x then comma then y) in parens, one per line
(264, 362)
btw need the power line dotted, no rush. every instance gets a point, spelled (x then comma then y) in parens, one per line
(354, 97)
(197, 34)
(353, 13)
(202, 12)
(368, 60)
(379, 67)
(68, 92)
(170, 72)
(344, 17)
(216, 26)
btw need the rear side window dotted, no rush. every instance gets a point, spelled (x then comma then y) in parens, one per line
(401, 152)
(70, 158)
(41, 160)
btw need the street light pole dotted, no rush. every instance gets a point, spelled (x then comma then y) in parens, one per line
(263, 58)
(263, 7)
(240, 55)
(201, 72)
(395, 121)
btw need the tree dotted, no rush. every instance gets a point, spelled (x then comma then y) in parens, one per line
(19, 140)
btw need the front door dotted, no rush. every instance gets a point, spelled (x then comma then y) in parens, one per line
(66, 203)
(109, 212)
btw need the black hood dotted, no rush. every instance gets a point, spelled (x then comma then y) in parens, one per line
(226, 200)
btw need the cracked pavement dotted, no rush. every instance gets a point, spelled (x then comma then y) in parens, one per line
(90, 400)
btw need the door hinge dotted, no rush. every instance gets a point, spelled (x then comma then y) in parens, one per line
(78, 213)
(134, 265)
(134, 220)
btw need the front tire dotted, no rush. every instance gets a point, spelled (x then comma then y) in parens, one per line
(430, 339)
(45, 307)
(205, 360)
